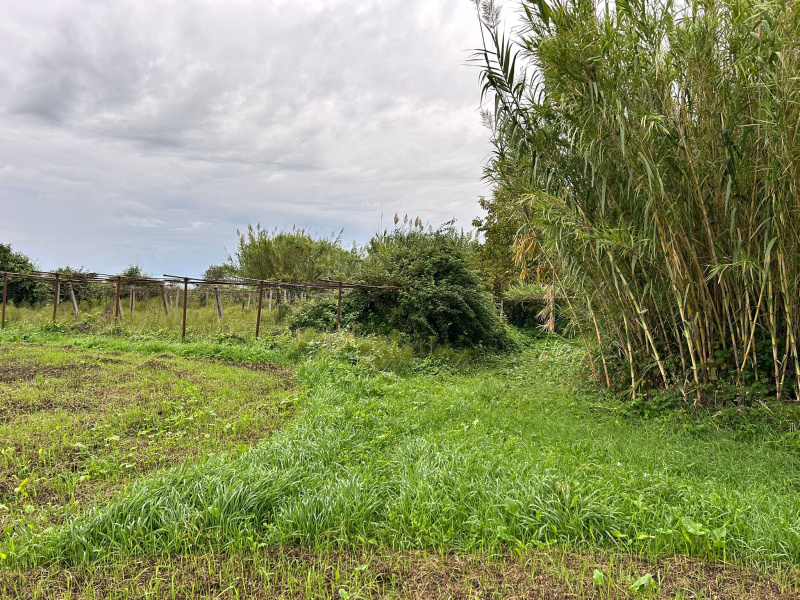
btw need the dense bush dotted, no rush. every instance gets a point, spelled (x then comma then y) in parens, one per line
(24, 291)
(442, 300)
(317, 313)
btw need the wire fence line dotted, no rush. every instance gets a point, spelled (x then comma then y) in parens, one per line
(181, 285)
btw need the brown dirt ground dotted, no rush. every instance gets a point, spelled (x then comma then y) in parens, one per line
(12, 371)
(282, 373)
(406, 574)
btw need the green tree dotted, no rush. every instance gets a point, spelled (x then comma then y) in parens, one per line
(134, 270)
(21, 291)
(501, 266)
(219, 272)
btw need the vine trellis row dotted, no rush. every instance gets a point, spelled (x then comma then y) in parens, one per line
(177, 281)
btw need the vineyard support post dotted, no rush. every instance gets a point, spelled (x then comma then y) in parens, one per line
(218, 302)
(339, 308)
(55, 298)
(164, 299)
(185, 298)
(74, 300)
(117, 311)
(258, 317)
(5, 294)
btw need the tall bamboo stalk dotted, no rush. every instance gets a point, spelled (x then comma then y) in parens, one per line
(654, 151)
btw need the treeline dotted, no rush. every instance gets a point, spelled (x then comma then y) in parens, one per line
(33, 292)
(647, 156)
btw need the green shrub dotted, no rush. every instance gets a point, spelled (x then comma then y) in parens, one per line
(318, 313)
(442, 300)
(25, 291)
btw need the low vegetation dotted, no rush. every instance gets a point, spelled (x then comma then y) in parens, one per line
(390, 453)
(148, 319)
(76, 426)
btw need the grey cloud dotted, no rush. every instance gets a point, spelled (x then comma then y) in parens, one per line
(149, 131)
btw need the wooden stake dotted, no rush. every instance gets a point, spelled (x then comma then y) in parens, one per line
(117, 308)
(185, 297)
(270, 298)
(133, 299)
(5, 294)
(55, 299)
(339, 308)
(73, 299)
(260, 296)
(164, 299)
(218, 302)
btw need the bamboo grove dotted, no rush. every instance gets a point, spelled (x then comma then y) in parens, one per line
(652, 151)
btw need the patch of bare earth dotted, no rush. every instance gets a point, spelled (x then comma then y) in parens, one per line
(281, 373)
(297, 573)
(12, 371)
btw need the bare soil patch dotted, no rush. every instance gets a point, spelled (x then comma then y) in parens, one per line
(157, 365)
(277, 371)
(12, 371)
(286, 573)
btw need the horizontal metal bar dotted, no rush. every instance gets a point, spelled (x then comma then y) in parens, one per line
(321, 284)
(345, 284)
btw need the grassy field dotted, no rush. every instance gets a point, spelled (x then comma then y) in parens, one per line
(390, 475)
(76, 426)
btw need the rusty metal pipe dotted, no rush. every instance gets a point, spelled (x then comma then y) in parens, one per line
(5, 294)
(258, 317)
(185, 298)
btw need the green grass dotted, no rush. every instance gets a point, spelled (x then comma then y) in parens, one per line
(390, 453)
(148, 318)
(75, 426)
(460, 459)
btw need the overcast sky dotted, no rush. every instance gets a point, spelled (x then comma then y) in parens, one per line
(149, 131)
